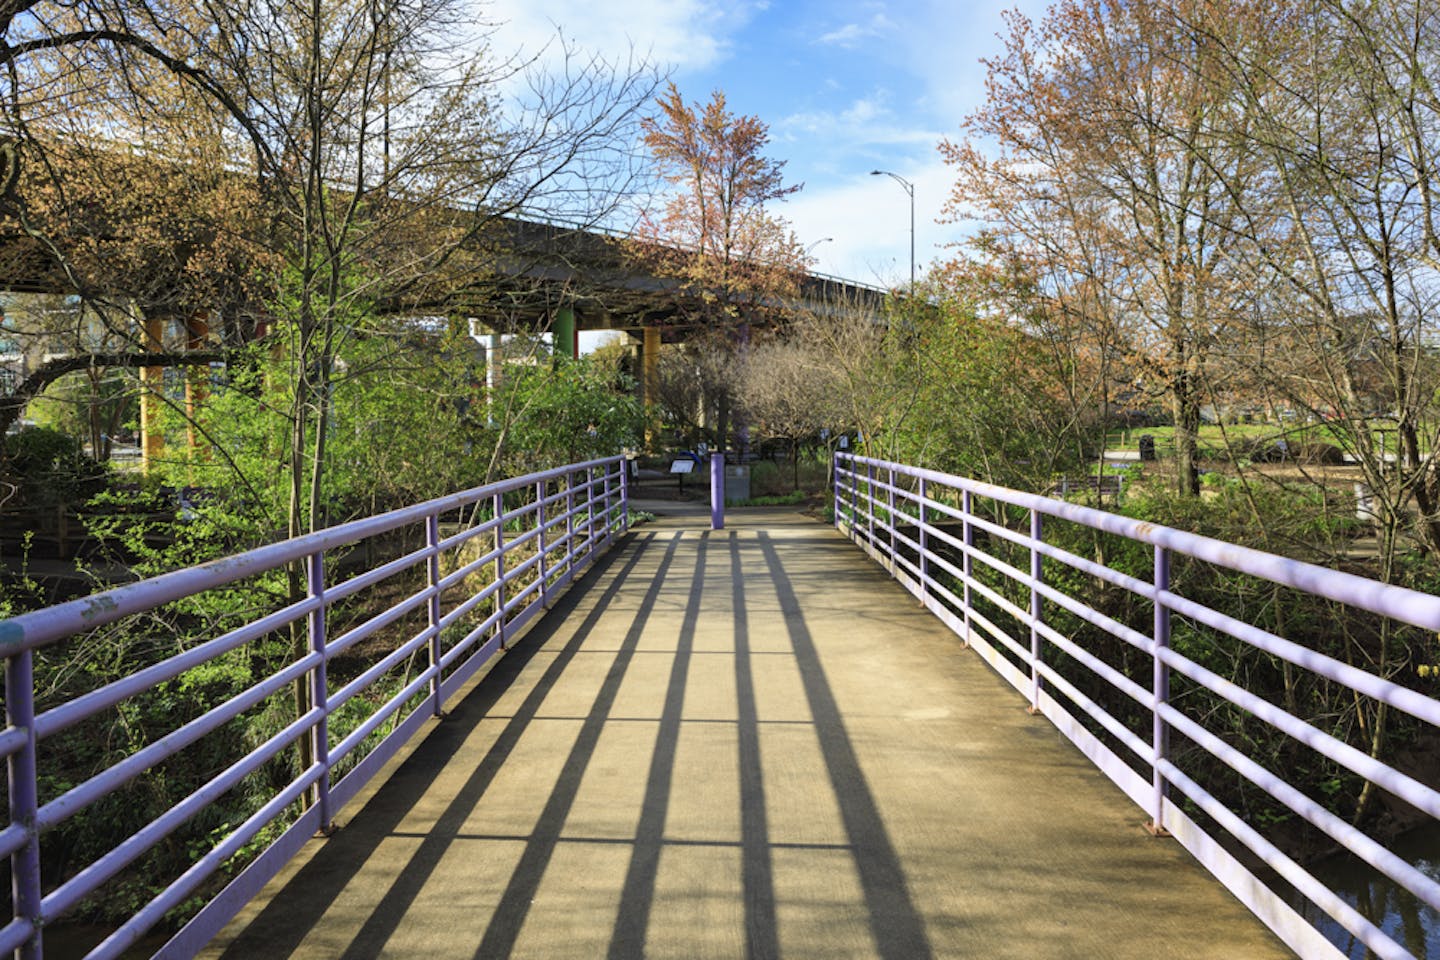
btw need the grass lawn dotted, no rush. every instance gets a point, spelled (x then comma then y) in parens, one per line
(1211, 436)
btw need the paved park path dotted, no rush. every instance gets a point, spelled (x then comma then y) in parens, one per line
(743, 744)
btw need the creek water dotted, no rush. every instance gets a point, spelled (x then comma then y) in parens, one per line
(1404, 918)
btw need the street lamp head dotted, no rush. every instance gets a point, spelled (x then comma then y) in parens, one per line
(905, 184)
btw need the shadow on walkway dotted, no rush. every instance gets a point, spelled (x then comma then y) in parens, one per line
(740, 744)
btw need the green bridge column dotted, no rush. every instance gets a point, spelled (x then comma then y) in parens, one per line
(650, 384)
(565, 340)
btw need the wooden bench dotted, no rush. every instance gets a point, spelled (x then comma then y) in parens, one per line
(1106, 485)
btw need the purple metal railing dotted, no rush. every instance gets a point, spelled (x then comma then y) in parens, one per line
(552, 529)
(877, 502)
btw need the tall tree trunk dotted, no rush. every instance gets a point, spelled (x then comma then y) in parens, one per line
(1186, 410)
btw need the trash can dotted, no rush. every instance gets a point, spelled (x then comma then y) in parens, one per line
(1147, 446)
(737, 482)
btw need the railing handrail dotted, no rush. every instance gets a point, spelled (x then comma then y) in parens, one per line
(515, 579)
(30, 631)
(1401, 603)
(896, 523)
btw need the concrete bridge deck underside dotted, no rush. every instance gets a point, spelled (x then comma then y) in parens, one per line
(744, 743)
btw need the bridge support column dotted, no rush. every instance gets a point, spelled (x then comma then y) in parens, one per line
(492, 374)
(197, 380)
(152, 387)
(650, 383)
(566, 340)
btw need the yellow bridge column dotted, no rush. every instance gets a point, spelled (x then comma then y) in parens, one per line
(650, 383)
(152, 385)
(197, 379)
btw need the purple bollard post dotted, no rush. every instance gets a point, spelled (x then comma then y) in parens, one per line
(717, 491)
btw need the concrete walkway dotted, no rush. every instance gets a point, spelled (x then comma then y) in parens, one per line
(747, 743)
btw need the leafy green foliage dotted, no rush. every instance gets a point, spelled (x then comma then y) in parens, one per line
(395, 434)
(1264, 517)
(566, 414)
(779, 500)
(408, 420)
(49, 467)
(968, 395)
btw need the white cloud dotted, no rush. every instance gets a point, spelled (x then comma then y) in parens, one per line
(851, 34)
(864, 111)
(868, 121)
(943, 42)
(844, 37)
(684, 34)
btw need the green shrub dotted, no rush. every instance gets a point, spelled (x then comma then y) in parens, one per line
(764, 478)
(50, 467)
(779, 500)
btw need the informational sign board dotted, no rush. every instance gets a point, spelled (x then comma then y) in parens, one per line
(682, 466)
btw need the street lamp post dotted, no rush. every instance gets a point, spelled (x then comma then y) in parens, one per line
(909, 189)
(809, 249)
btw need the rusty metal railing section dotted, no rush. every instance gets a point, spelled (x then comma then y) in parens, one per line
(940, 536)
(473, 568)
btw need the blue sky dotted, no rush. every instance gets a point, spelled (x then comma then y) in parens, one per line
(846, 86)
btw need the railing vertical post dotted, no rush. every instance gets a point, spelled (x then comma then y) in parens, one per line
(870, 506)
(923, 517)
(589, 515)
(432, 574)
(836, 477)
(540, 488)
(499, 508)
(1036, 568)
(1160, 687)
(967, 535)
(890, 506)
(25, 889)
(605, 487)
(319, 686)
(624, 495)
(570, 524)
